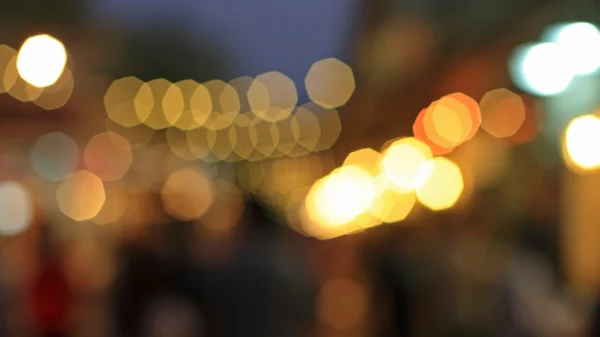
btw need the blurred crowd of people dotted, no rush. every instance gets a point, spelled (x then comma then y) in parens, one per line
(460, 275)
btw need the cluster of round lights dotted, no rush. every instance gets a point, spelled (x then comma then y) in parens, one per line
(566, 50)
(37, 72)
(243, 119)
(372, 187)
(90, 186)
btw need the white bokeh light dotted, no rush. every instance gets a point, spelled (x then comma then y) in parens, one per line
(540, 69)
(580, 43)
(581, 140)
(41, 60)
(16, 208)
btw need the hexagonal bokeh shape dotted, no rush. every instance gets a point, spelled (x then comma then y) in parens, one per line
(330, 83)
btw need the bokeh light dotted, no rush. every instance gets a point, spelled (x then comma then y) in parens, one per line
(242, 146)
(18, 88)
(166, 101)
(391, 205)
(221, 143)
(582, 137)
(54, 156)
(580, 42)
(272, 96)
(340, 197)
(198, 142)
(532, 124)
(541, 69)
(187, 120)
(138, 136)
(264, 139)
(402, 161)
(287, 140)
(420, 132)
(178, 143)
(225, 104)
(16, 208)
(367, 158)
(108, 155)
(7, 54)
(440, 183)
(41, 60)
(330, 83)
(306, 128)
(58, 94)
(330, 126)
(503, 113)
(128, 101)
(187, 194)
(201, 104)
(81, 196)
(447, 122)
(116, 202)
(246, 117)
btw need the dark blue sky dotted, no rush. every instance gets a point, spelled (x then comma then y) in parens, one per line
(261, 35)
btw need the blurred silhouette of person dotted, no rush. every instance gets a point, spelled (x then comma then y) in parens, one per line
(51, 295)
(161, 290)
(536, 302)
(390, 273)
(266, 286)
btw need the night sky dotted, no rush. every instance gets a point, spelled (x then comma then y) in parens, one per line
(260, 35)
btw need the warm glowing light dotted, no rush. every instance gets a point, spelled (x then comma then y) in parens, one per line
(166, 102)
(178, 144)
(115, 205)
(421, 132)
(187, 120)
(272, 96)
(306, 128)
(108, 155)
(198, 142)
(128, 101)
(329, 126)
(54, 156)
(582, 139)
(41, 60)
(7, 54)
(340, 197)
(18, 88)
(451, 120)
(81, 196)
(368, 159)
(138, 136)
(58, 94)
(263, 138)
(16, 208)
(403, 160)
(187, 194)
(330, 83)
(220, 142)
(441, 183)
(503, 113)
(225, 104)
(391, 205)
